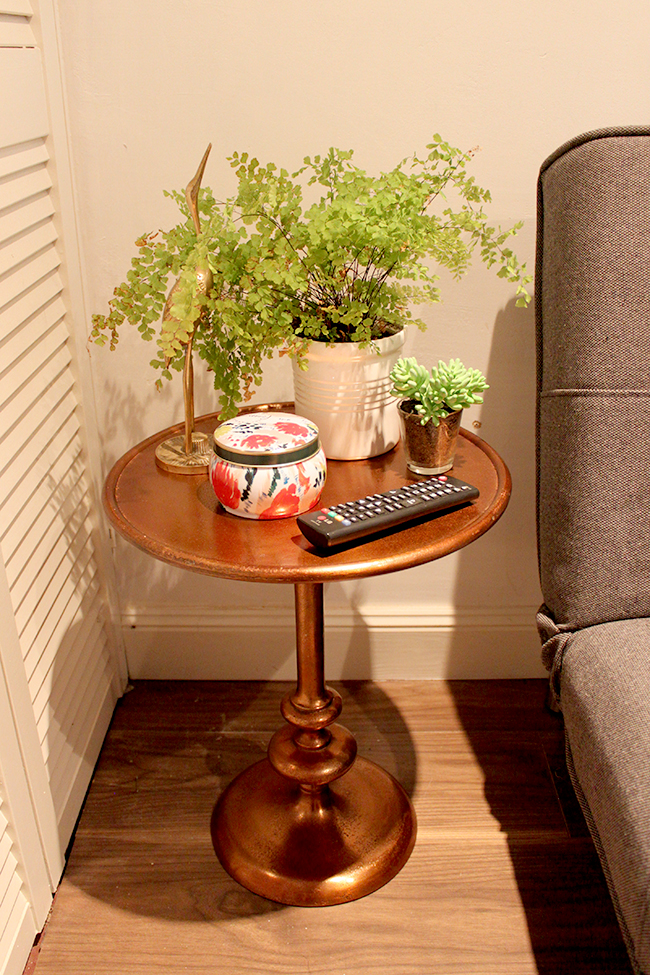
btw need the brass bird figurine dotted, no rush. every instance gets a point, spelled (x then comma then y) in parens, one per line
(195, 448)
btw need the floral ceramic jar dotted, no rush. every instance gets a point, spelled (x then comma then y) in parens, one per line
(267, 465)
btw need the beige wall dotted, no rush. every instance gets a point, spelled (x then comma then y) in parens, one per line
(151, 83)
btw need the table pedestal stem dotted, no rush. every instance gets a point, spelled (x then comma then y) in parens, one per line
(313, 824)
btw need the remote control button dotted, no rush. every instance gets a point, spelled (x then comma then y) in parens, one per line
(395, 508)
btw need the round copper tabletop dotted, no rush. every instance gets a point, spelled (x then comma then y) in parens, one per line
(177, 518)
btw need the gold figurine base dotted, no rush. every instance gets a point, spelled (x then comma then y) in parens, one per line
(313, 847)
(171, 455)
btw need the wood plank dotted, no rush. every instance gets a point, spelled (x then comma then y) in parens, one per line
(390, 705)
(496, 885)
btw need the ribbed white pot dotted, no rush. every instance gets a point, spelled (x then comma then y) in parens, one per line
(345, 391)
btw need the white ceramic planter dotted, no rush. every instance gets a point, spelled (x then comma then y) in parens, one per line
(345, 391)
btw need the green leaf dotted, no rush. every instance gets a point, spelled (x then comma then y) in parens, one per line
(349, 266)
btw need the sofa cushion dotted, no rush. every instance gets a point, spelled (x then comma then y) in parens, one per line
(593, 263)
(594, 523)
(593, 331)
(605, 697)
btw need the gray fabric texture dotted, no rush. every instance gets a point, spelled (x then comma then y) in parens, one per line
(595, 521)
(593, 315)
(555, 640)
(592, 302)
(605, 682)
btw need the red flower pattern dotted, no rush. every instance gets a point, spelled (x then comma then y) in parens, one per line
(257, 440)
(303, 479)
(225, 486)
(294, 429)
(286, 502)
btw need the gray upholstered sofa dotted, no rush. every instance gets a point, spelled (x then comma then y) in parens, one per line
(593, 329)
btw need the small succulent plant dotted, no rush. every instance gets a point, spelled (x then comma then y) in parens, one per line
(443, 390)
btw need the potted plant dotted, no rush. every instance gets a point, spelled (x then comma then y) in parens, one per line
(342, 271)
(430, 408)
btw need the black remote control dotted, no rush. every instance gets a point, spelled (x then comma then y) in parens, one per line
(345, 522)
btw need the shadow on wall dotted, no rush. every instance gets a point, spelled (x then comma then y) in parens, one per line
(124, 413)
(508, 425)
(74, 683)
(188, 756)
(165, 601)
(133, 413)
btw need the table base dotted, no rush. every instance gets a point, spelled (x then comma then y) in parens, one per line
(313, 847)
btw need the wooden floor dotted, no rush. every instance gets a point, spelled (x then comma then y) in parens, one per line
(503, 879)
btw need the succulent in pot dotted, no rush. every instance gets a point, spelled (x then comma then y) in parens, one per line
(430, 407)
(346, 268)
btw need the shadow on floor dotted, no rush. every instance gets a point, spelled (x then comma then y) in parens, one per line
(143, 840)
(565, 893)
(571, 922)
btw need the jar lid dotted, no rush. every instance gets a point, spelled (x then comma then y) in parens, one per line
(266, 439)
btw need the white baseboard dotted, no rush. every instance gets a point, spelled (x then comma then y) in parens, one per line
(412, 643)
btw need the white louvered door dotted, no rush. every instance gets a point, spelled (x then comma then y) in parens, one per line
(59, 678)
(25, 886)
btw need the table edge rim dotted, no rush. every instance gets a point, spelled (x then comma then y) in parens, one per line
(319, 572)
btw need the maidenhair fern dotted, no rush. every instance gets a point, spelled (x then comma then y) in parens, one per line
(349, 267)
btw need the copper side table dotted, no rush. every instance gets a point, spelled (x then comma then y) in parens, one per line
(312, 824)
